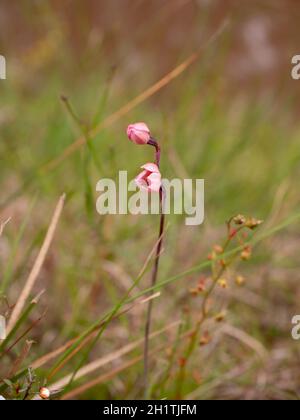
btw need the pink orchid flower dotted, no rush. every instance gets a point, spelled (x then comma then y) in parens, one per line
(150, 178)
(138, 133)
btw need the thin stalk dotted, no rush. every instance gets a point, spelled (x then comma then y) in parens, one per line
(154, 143)
(150, 305)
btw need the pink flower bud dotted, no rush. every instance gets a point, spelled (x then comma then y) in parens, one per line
(150, 178)
(138, 133)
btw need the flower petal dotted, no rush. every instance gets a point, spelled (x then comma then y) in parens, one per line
(154, 182)
(151, 167)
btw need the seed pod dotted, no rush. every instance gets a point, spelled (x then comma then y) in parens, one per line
(44, 393)
(239, 219)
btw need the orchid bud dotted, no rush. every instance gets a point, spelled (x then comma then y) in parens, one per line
(138, 133)
(150, 178)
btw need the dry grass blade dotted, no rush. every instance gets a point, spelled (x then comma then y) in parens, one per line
(37, 265)
(111, 119)
(52, 355)
(109, 375)
(93, 334)
(71, 355)
(3, 224)
(91, 367)
(103, 378)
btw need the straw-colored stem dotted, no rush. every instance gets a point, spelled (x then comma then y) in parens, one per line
(37, 265)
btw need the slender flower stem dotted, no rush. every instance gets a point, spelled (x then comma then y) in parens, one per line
(150, 304)
(154, 143)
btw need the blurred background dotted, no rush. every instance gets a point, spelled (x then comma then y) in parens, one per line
(231, 118)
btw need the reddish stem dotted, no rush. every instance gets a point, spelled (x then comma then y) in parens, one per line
(154, 143)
